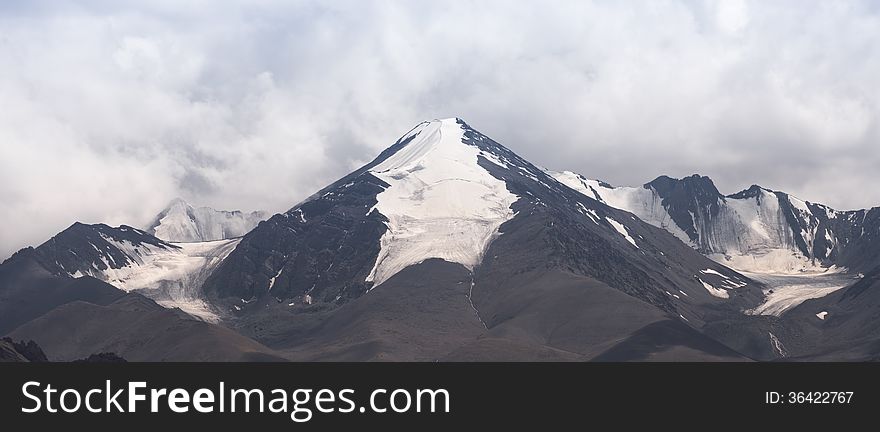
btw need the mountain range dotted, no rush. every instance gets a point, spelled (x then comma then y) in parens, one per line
(756, 229)
(449, 246)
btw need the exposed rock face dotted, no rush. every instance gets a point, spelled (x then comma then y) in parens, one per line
(12, 351)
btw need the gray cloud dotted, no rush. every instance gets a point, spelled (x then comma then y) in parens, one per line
(111, 108)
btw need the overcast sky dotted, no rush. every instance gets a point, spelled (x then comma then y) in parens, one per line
(109, 109)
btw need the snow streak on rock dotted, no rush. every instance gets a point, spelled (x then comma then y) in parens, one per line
(622, 230)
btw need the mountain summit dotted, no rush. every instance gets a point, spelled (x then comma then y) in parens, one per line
(439, 203)
(181, 222)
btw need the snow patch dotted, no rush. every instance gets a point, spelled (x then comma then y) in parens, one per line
(302, 217)
(785, 292)
(495, 160)
(822, 315)
(770, 261)
(731, 283)
(272, 280)
(589, 213)
(620, 228)
(717, 292)
(710, 271)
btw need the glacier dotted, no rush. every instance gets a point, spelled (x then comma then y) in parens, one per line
(439, 203)
(171, 276)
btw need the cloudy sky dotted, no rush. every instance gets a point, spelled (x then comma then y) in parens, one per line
(109, 109)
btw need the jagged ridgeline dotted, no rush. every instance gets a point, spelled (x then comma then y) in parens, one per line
(757, 229)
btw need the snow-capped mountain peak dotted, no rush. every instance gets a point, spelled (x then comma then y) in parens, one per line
(446, 195)
(440, 203)
(181, 222)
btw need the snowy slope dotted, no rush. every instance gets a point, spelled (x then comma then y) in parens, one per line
(440, 202)
(181, 222)
(172, 274)
(642, 202)
(785, 292)
(753, 232)
(171, 277)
